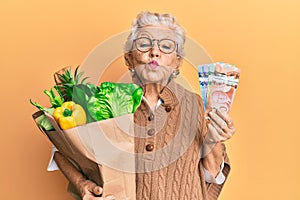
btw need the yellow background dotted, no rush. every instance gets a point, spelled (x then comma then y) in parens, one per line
(262, 37)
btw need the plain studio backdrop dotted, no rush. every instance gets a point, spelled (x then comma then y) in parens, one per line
(261, 37)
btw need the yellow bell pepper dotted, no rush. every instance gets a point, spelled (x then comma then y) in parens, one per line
(69, 115)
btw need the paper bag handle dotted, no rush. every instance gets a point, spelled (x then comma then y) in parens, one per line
(52, 121)
(49, 117)
(59, 132)
(37, 115)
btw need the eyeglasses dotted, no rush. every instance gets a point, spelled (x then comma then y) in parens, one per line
(144, 44)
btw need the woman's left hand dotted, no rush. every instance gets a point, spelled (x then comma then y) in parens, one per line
(220, 126)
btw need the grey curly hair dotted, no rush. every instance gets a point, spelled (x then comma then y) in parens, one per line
(147, 18)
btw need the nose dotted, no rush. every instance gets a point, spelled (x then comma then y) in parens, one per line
(154, 51)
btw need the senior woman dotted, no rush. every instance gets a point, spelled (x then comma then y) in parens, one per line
(180, 154)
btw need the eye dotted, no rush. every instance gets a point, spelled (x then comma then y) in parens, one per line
(167, 45)
(143, 43)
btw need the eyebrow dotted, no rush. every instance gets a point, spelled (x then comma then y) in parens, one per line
(144, 33)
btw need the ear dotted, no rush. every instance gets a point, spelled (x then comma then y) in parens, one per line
(128, 60)
(179, 60)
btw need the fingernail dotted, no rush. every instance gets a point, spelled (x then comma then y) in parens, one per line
(222, 110)
(214, 109)
(211, 113)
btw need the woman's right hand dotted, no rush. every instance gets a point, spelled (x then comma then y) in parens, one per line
(90, 191)
(87, 189)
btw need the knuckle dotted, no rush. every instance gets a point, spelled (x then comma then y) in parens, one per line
(233, 130)
(224, 125)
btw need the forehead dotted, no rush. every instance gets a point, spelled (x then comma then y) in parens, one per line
(156, 32)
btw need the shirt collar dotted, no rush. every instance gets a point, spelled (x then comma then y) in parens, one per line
(169, 96)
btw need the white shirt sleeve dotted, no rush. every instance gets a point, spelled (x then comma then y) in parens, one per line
(219, 179)
(52, 166)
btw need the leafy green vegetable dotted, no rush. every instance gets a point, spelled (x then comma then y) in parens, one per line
(81, 94)
(55, 100)
(40, 107)
(114, 99)
(99, 102)
(44, 123)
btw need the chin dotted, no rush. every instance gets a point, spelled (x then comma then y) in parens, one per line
(159, 75)
(153, 77)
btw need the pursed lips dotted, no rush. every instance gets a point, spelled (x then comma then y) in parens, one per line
(153, 64)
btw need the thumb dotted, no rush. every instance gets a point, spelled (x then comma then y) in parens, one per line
(97, 190)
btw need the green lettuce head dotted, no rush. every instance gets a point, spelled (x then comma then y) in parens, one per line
(114, 99)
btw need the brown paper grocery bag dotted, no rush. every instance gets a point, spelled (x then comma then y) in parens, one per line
(103, 151)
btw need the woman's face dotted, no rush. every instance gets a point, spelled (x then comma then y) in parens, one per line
(155, 66)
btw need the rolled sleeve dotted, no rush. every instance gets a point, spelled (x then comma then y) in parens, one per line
(219, 179)
(52, 166)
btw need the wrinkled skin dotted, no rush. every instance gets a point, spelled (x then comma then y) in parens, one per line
(153, 79)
